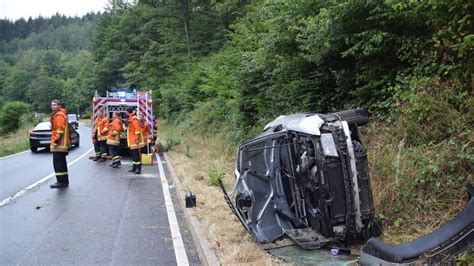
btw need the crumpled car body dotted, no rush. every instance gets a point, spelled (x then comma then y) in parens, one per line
(306, 177)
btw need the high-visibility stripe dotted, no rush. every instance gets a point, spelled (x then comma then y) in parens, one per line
(137, 163)
(61, 173)
(58, 148)
(116, 157)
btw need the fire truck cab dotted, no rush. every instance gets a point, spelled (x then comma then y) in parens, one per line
(118, 101)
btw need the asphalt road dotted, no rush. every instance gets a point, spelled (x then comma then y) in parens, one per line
(106, 216)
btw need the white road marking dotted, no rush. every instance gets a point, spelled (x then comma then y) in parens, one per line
(179, 250)
(42, 180)
(1, 158)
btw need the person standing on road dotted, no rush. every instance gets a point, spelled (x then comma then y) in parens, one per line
(116, 129)
(146, 131)
(99, 136)
(59, 145)
(134, 140)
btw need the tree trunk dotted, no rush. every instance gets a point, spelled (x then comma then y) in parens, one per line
(185, 13)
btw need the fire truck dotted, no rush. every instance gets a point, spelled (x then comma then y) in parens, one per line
(118, 101)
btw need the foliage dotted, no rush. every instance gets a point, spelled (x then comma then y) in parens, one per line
(44, 59)
(215, 175)
(169, 143)
(10, 116)
(57, 32)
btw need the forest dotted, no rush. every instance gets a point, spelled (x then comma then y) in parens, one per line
(226, 68)
(45, 58)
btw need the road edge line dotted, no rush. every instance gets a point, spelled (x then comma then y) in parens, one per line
(206, 254)
(42, 180)
(178, 245)
(15, 154)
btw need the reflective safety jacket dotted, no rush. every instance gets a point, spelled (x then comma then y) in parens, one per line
(60, 131)
(134, 133)
(101, 127)
(146, 130)
(115, 131)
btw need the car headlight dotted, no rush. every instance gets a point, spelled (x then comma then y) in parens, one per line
(329, 146)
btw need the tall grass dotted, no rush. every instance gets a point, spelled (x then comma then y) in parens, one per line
(15, 142)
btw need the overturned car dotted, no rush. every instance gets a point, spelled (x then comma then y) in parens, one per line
(306, 177)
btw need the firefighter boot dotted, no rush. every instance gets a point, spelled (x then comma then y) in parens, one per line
(116, 164)
(133, 169)
(139, 169)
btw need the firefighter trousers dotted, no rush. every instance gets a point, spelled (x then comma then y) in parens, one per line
(136, 159)
(114, 152)
(100, 148)
(60, 167)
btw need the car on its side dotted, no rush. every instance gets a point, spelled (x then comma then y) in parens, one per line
(40, 136)
(72, 118)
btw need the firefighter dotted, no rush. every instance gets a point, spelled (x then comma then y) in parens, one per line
(134, 140)
(99, 136)
(59, 145)
(113, 141)
(146, 131)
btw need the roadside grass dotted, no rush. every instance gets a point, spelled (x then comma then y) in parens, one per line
(407, 207)
(410, 199)
(15, 142)
(199, 162)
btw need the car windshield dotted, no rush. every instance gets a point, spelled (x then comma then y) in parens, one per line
(43, 126)
(72, 117)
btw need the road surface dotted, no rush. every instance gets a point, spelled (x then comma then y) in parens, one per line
(106, 216)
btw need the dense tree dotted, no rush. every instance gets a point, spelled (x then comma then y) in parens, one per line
(44, 58)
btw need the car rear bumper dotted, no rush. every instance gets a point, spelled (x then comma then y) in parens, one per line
(40, 142)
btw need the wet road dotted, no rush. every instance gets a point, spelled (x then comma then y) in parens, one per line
(106, 216)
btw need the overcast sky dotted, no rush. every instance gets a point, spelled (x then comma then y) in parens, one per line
(15, 9)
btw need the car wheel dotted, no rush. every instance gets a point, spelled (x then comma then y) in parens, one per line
(77, 144)
(34, 149)
(358, 116)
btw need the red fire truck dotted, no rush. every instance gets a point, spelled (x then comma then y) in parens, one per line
(118, 102)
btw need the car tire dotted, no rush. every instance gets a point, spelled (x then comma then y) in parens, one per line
(34, 149)
(357, 116)
(77, 144)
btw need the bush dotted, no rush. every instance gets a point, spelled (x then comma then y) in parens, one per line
(11, 116)
(434, 112)
(215, 175)
(169, 143)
